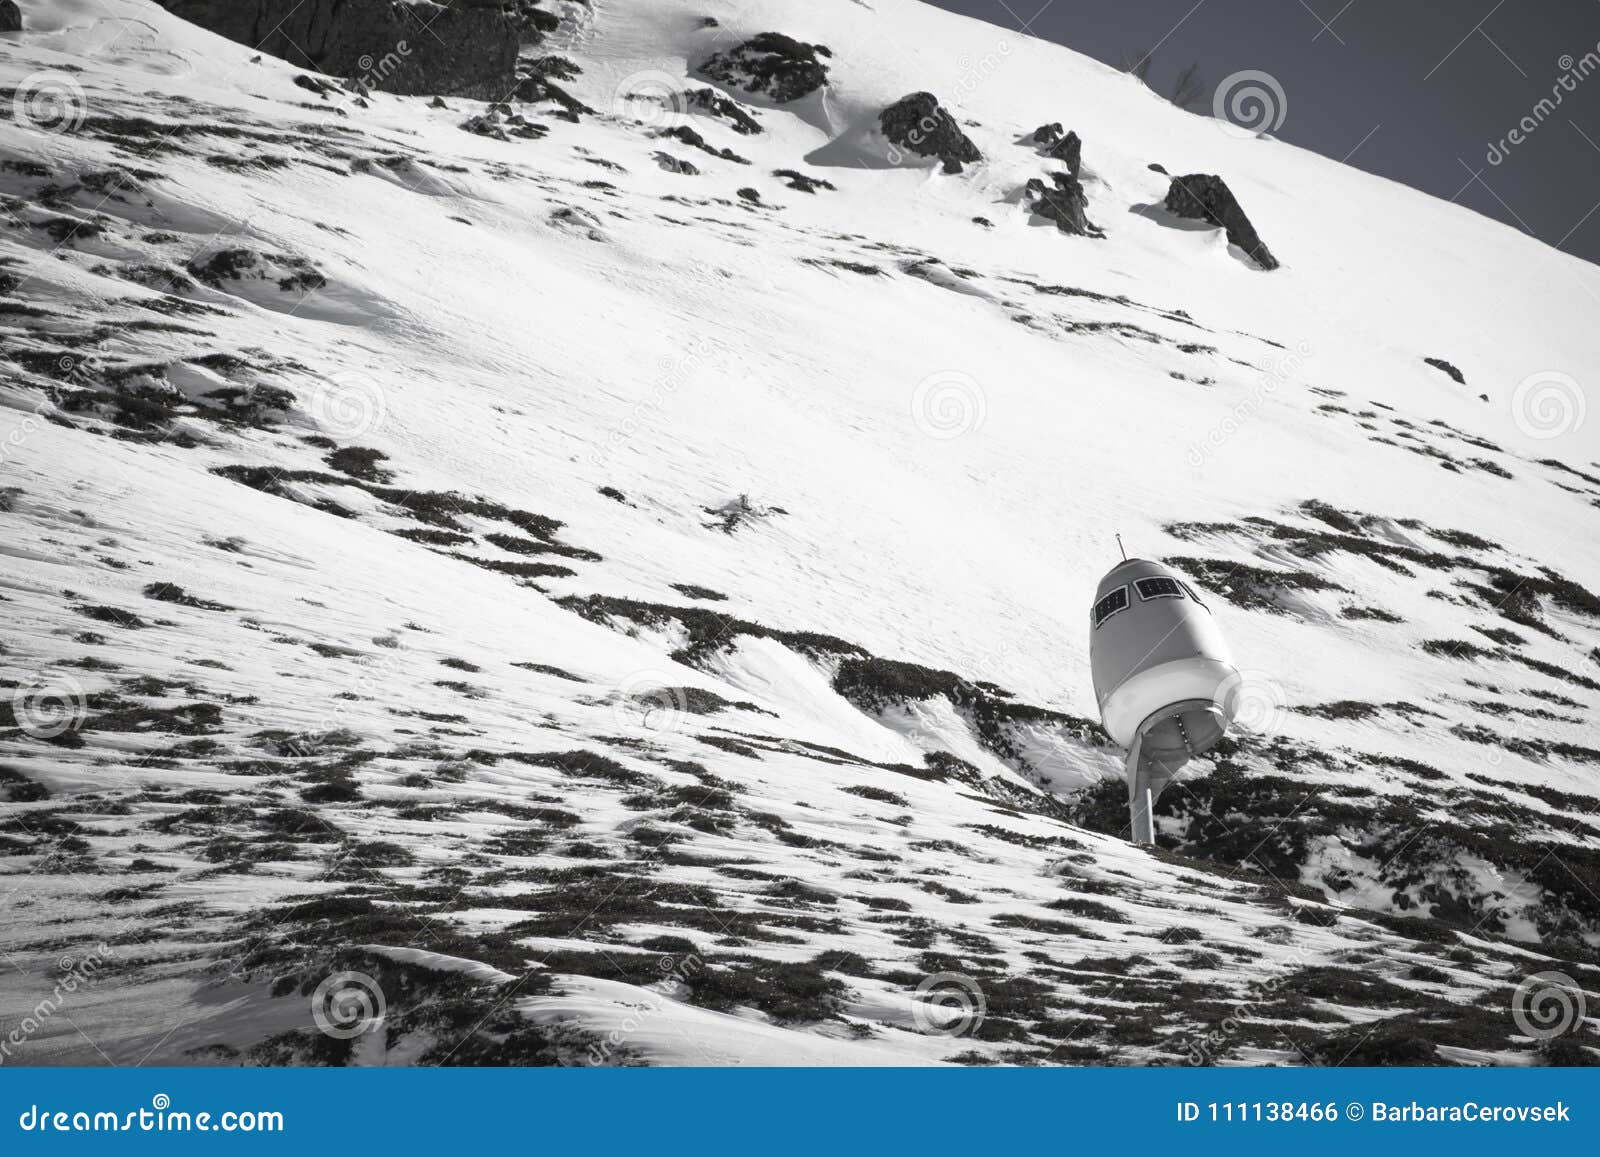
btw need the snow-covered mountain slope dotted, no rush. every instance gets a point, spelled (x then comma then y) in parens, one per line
(602, 602)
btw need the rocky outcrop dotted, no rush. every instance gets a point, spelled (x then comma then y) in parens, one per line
(468, 48)
(10, 16)
(1446, 368)
(533, 22)
(709, 100)
(1206, 197)
(1059, 146)
(1069, 150)
(920, 125)
(801, 182)
(1064, 202)
(772, 64)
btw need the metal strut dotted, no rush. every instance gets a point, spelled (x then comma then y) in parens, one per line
(1149, 773)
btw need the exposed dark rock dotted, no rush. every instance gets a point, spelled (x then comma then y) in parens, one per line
(802, 183)
(319, 85)
(558, 67)
(674, 164)
(694, 140)
(1047, 135)
(777, 66)
(468, 48)
(533, 22)
(502, 127)
(10, 16)
(1446, 367)
(1068, 149)
(535, 87)
(1206, 197)
(711, 101)
(1063, 202)
(1156, 167)
(918, 124)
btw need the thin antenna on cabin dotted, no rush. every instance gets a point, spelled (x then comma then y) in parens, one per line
(1122, 548)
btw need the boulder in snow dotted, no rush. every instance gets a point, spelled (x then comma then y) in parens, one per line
(919, 124)
(10, 16)
(779, 67)
(1064, 202)
(1206, 197)
(1069, 150)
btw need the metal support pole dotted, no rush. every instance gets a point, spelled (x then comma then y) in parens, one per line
(1140, 800)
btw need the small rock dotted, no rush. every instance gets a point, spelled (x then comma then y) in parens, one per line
(1206, 197)
(801, 183)
(677, 165)
(437, 102)
(317, 84)
(711, 101)
(1047, 134)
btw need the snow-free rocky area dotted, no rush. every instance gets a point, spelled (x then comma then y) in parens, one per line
(617, 581)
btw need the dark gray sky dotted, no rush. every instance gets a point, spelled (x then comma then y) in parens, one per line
(1415, 90)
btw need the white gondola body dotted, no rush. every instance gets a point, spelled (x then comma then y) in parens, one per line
(1163, 676)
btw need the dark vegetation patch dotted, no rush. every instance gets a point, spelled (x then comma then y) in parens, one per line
(166, 592)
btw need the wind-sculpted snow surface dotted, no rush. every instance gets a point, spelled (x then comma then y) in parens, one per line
(476, 592)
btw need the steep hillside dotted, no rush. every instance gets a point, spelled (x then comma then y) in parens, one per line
(603, 577)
